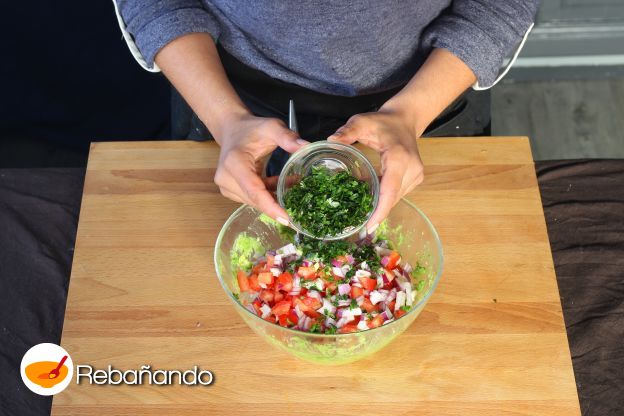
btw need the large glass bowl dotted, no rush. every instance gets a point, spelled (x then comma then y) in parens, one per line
(406, 227)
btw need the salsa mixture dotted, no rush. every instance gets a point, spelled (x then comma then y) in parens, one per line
(330, 287)
(326, 203)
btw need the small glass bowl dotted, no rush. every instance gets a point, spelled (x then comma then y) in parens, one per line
(335, 157)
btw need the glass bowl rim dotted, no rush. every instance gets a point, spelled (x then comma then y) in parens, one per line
(349, 149)
(432, 288)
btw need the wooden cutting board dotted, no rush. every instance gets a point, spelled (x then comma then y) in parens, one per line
(143, 291)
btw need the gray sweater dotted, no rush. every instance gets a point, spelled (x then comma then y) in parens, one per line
(337, 47)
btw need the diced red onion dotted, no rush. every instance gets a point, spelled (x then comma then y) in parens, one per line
(344, 289)
(327, 306)
(388, 321)
(277, 260)
(336, 263)
(376, 297)
(350, 258)
(300, 314)
(407, 268)
(339, 313)
(306, 263)
(262, 285)
(266, 310)
(251, 309)
(330, 321)
(380, 281)
(344, 302)
(362, 273)
(338, 271)
(276, 271)
(391, 295)
(294, 292)
(384, 316)
(384, 261)
(388, 313)
(362, 325)
(360, 300)
(382, 251)
(314, 294)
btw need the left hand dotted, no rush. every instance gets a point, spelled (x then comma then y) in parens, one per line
(393, 135)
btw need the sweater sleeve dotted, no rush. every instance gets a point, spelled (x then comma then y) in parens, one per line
(149, 25)
(482, 33)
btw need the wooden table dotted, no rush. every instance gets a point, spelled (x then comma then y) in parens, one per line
(143, 290)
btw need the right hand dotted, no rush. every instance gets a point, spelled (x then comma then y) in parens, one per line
(244, 143)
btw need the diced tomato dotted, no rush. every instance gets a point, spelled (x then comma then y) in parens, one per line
(253, 283)
(243, 282)
(377, 321)
(313, 303)
(356, 292)
(279, 296)
(292, 317)
(303, 291)
(350, 327)
(266, 278)
(308, 273)
(331, 287)
(257, 304)
(342, 259)
(270, 261)
(267, 296)
(399, 313)
(283, 320)
(258, 268)
(281, 308)
(391, 305)
(393, 260)
(368, 283)
(306, 306)
(286, 281)
(368, 306)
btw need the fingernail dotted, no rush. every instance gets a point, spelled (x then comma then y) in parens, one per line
(373, 228)
(302, 142)
(283, 221)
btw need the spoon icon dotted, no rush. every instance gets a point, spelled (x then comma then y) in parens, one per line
(54, 373)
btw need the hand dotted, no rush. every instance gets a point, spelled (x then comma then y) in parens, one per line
(393, 135)
(244, 142)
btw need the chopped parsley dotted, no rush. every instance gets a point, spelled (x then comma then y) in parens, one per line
(326, 203)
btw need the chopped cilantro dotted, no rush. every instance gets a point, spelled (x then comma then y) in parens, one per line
(353, 304)
(331, 329)
(326, 203)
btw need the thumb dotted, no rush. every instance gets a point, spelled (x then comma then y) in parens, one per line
(347, 134)
(289, 140)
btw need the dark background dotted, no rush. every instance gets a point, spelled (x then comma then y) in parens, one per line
(67, 78)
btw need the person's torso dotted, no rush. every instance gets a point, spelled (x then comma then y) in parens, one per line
(335, 47)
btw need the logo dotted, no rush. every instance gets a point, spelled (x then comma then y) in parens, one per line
(47, 369)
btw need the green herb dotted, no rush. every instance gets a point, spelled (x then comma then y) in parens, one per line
(353, 304)
(420, 285)
(331, 329)
(316, 327)
(324, 251)
(236, 296)
(366, 253)
(326, 203)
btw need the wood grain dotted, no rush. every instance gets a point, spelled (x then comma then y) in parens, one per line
(143, 291)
